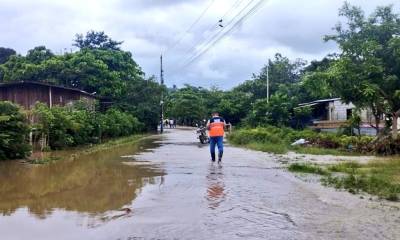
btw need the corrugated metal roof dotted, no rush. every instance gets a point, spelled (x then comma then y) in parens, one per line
(318, 101)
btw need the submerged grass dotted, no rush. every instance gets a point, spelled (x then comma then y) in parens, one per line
(115, 143)
(380, 178)
(44, 160)
(48, 158)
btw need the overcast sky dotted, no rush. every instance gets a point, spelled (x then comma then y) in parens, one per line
(149, 27)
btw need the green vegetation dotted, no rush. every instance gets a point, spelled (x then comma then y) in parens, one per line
(115, 143)
(67, 127)
(380, 178)
(364, 72)
(279, 139)
(307, 168)
(89, 149)
(14, 131)
(99, 67)
(44, 160)
(322, 151)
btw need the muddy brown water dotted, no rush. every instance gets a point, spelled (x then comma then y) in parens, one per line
(166, 188)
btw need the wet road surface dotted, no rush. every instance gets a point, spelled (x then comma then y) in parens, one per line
(166, 188)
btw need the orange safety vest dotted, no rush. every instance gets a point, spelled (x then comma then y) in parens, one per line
(216, 127)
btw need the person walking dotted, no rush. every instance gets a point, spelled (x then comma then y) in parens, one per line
(216, 129)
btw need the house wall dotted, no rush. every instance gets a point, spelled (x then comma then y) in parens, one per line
(339, 110)
(364, 130)
(26, 95)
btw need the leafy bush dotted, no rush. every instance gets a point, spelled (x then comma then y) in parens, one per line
(115, 123)
(286, 136)
(14, 132)
(387, 146)
(63, 127)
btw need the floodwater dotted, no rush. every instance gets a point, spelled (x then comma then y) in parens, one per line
(166, 188)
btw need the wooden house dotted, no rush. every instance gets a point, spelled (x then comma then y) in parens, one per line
(27, 94)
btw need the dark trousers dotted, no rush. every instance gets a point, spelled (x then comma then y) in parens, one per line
(219, 141)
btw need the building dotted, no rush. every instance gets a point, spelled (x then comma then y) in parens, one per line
(330, 114)
(27, 94)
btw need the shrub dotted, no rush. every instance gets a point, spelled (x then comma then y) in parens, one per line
(387, 146)
(286, 136)
(14, 132)
(63, 127)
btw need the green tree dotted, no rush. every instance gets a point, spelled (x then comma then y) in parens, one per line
(281, 71)
(368, 72)
(39, 54)
(14, 132)
(96, 40)
(276, 111)
(5, 54)
(187, 105)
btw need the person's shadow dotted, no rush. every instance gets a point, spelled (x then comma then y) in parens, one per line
(215, 186)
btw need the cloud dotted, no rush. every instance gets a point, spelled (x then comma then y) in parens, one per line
(149, 27)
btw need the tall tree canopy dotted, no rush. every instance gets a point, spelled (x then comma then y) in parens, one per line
(280, 71)
(5, 53)
(96, 40)
(99, 67)
(368, 70)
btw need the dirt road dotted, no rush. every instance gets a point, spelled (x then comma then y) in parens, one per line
(176, 193)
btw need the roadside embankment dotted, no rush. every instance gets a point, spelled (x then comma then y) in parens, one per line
(72, 153)
(279, 140)
(339, 161)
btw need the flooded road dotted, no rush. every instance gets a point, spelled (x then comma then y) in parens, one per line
(166, 188)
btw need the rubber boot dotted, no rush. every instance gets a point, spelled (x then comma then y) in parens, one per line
(213, 157)
(220, 156)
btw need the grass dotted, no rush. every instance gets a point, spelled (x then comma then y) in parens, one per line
(115, 143)
(91, 148)
(322, 151)
(380, 177)
(307, 168)
(44, 160)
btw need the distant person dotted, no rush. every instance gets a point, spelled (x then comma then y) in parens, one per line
(215, 127)
(171, 123)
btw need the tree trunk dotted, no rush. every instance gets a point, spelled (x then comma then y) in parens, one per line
(377, 123)
(394, 125)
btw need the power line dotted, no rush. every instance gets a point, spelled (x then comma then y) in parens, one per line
(222, 29)
(197, 43)
(215, 40)
(191, 26)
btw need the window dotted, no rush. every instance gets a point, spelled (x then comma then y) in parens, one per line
(349, 113)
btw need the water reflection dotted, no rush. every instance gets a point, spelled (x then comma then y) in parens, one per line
(215, 186)
(93, 184)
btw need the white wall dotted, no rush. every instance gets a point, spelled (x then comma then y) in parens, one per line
(339, 110)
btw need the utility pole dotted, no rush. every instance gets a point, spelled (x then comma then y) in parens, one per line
(162, 96)
(268, 81)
